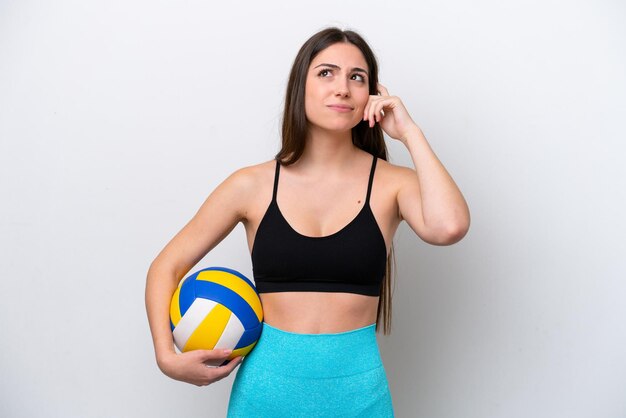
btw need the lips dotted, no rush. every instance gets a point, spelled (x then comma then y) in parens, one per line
(341, 107)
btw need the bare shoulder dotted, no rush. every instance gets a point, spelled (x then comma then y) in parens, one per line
(394, 176)
(248, 180)
(252, 177)
(249, 189)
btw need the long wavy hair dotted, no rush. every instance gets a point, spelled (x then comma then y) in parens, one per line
(295, 127)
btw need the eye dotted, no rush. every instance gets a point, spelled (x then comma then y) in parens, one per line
(324, 72)
(360, 77)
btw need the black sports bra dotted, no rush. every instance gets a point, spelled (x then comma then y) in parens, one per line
(352, 260)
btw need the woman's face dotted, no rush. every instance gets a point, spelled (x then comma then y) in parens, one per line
(337, 88)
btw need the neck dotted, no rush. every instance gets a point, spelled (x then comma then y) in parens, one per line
(326, 149)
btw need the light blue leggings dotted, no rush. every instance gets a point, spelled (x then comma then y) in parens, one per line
(312, 375)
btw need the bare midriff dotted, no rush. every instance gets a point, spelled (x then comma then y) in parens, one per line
(318, 312)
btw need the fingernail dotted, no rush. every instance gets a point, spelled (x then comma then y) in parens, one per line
(228, 351)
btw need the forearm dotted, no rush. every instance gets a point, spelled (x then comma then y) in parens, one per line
(160, 286)
(443, 206)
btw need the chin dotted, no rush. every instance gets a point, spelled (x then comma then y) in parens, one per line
(336, 127)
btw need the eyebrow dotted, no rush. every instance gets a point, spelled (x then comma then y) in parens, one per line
(339, 68)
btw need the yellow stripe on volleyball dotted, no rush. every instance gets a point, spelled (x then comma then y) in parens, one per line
(236, 284)
(206, 333)
(243, 351)
(175, 307)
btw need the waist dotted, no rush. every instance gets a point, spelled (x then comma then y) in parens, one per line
(318, 312)
(302, 354)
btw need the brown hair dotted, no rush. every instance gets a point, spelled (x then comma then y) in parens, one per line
(295, 125)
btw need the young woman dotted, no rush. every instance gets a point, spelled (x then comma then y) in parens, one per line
(320, 220)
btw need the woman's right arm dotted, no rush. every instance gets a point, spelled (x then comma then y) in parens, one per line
(216, 218)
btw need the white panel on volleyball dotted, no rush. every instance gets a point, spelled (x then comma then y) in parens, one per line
(198, 310)
(232, 333)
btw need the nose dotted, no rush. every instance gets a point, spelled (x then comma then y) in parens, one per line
(342, 89)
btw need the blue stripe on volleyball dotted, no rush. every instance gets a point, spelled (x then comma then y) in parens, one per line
(231, 271)
(172, 325)
(187, 293)
(249, 336)
(230, 299)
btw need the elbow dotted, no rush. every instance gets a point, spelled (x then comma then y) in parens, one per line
(456, 234)
(458, 228)
(160, 270)
(453, 233)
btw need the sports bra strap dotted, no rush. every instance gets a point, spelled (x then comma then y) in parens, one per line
(276, 180)
(371, 180)
(369, 184)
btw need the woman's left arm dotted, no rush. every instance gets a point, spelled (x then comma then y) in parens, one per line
(428, 198)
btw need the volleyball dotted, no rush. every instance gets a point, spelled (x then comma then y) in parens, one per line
(216, 308)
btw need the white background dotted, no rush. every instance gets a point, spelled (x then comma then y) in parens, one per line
(118, 118)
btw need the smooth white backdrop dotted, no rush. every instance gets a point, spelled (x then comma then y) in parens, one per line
(118, 118)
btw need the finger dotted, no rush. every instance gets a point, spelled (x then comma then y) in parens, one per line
(371, 117)
(383, 90)
(233, 363)
(376, 110)
(227, 368)
(372, 112)
(371, 109)
(216, 354)
(211, 358)
(379, 111)
(368, 105)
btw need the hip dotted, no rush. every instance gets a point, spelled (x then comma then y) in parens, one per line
(294, 374)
